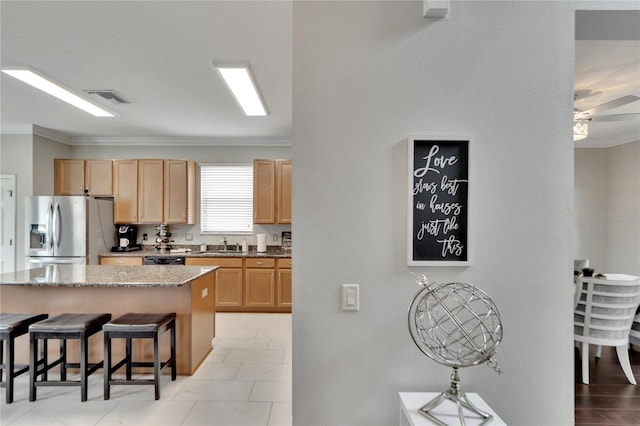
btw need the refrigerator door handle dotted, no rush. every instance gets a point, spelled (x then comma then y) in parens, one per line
(49, 226)
(56, 221)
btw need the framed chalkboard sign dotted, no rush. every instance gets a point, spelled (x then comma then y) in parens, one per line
(438, 202)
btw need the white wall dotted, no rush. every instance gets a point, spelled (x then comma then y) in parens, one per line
(622, 213)
(607, 207)
(590, 195)
(366, 76)
(44, 152)
(16, 154)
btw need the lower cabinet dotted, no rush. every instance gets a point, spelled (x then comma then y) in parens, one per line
(260, 283)
(228, 280)
(250, 284)
(283, 284)
(120, 260)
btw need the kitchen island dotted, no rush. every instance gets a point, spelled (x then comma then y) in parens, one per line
(186, 290)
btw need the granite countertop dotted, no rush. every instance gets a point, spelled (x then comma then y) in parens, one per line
(195, 252)
(106, 276)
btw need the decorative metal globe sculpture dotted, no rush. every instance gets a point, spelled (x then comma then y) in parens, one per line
(458, 325)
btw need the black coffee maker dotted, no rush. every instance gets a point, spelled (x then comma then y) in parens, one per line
(127, 238)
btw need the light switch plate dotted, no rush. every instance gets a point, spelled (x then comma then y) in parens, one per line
(350, 297)
(188, 237)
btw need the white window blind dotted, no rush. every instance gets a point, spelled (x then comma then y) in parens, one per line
(226, 198)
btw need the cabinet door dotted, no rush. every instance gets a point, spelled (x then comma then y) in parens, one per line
(125, 191)
(115, 260)
(150, 191)
(229, 288)
(68, 177)
(175, 191)
(283, 292)
(283, 195)
(260, 286)
(98, 177)
(264, 194)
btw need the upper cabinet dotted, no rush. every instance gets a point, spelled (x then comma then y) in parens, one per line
(125, 193)
(179, 191)
(150, 191)
(283, 191)
(272, 191)
(74, 177)
(154, 191)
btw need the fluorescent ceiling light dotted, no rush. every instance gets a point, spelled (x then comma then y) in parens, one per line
(240, 81)
(39, 82)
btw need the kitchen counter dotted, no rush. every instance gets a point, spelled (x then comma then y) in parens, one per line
(189, 291)
(195, 252)
(106, 276)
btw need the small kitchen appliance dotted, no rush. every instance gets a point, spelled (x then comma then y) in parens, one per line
(127, 238)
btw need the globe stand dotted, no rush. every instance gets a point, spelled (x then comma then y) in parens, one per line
(459, 398)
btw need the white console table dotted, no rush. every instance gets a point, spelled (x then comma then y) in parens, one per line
(410, 403)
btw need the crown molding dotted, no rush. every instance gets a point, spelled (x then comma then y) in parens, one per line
(51, 134)
(184, 141)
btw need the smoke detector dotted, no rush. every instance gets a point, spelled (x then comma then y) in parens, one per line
(108, 95)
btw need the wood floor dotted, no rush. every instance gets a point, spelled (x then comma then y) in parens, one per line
(609, 399)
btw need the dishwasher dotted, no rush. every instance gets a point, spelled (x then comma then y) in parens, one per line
(163, 260)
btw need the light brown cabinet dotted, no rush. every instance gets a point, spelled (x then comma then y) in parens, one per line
(272, 191)
(73, 177)
(283, 191)
(250, 284)
(116, 260)
(125, 191)
(260, 283)
(179, 191)
(150, 191)
(283, 284)
(229, 288)
(154, 191)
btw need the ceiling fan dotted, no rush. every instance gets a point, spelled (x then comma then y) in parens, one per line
(582, 118)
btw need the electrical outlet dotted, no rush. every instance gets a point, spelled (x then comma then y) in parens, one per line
(275, 237)
(188, 237)
(145, 237)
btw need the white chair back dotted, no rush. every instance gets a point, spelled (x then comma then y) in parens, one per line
(604, 314)
(634, 334)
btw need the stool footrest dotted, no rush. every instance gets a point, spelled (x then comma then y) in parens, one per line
(133, 382)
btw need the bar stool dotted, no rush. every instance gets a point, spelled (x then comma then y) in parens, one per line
(139, 326)
(64, 327)
(12, 326)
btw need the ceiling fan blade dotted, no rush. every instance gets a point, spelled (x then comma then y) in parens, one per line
(612, 104)
(617, 117)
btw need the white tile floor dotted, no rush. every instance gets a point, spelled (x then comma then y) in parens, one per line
(246, 380)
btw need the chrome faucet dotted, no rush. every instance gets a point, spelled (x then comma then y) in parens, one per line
(224, 243)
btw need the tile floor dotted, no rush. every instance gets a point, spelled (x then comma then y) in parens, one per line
(246, 380)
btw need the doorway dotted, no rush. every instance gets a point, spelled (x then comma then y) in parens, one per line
(7, 223)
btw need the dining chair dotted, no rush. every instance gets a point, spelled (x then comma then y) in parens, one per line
(634, 334)
(603, 317)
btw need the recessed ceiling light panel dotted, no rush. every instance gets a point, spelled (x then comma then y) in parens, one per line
(36, 80)
(240, 81)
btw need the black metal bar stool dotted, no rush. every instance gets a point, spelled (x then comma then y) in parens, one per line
(139, 326)
(64, 327)
(12, 326)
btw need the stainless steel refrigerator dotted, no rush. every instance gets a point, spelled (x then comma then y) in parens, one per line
(73, 229)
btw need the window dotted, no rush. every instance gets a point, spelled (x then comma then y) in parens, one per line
(226, 198)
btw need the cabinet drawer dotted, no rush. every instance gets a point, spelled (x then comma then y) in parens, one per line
(260, 262)
(121, 260)
(284, 263)
(223, 262)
